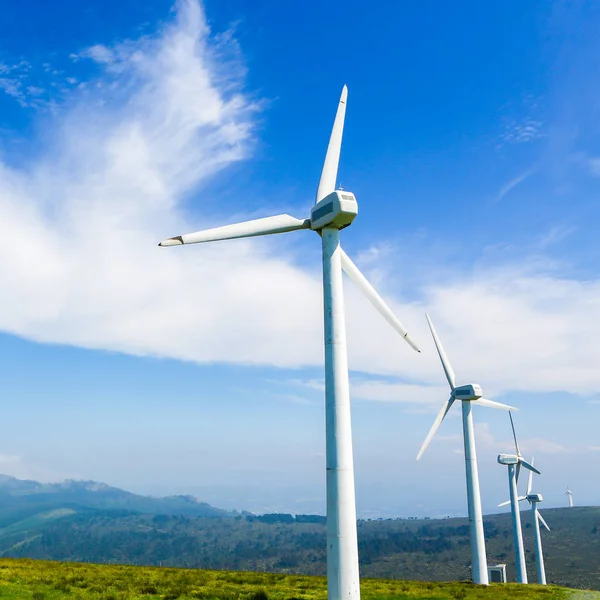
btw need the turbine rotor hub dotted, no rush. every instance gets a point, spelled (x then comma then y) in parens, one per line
(471, 391)
(337, 210)
(508, 459)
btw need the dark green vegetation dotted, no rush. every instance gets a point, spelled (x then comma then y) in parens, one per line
(41, 580)
(92, 523)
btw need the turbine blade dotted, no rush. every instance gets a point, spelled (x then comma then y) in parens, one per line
(528, 466)
(266, 226)
(438, 421)
(332, 158)
(529, 481)
(492, 404)
(518, 469)
(450, 376)
(514, 434)
(519, 499)
(542, 521)
(374, 298)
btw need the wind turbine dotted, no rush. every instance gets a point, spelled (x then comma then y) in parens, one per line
(534, 500)
(569, 493)
(468, 394)
(514, 462)
(333, 210)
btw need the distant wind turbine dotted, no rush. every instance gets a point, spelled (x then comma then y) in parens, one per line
(534, 500)
(469, 394)
(514, 463)
(569, 493)
(333, 210)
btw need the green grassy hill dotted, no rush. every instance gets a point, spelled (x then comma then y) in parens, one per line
(42, 580)
(432, 550)
(90, 522)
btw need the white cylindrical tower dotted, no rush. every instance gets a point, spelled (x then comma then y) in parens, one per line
(516, 523)
(541, 571)
(478, 557)
(342, 544)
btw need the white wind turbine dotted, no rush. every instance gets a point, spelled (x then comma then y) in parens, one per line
(569, 493)
(469, 394)
(534, 500)
(514, 463)
(333, 210)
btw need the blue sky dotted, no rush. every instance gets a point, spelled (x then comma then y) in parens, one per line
(472, 144)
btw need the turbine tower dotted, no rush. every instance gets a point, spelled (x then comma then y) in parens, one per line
(333, 210)
(514, 463)
(569, 493)
(468, 394)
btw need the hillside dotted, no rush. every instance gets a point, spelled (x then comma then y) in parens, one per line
(23, 499)
(90, 522)
(41, 580)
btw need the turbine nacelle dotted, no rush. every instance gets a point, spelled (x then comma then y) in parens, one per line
(534, 497)
(337, 209)
(472, 391)
(508, 459)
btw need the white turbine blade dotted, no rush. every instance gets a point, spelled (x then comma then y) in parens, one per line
(530, 480)
(542, 521)
(374, 298)
(438, 421)
(514, 434)
(528, 466)
(445, 362)
(266, 226)
(332, 158)
(518, 470)
(519, 499)
(492, 404)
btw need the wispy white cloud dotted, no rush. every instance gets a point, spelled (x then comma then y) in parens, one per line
(513, 183)
(98, 53)
(523, 131)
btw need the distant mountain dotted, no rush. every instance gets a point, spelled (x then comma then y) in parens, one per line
(23, 499)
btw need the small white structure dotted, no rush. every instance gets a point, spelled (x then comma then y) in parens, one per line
(497, 573)
(469, 395)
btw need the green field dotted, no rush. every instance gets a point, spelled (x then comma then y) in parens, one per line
(46, 580)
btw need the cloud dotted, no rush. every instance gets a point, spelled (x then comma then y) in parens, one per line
(128, 163)
(98, 53)
(521, 132)
(86, 217)
(513, 183)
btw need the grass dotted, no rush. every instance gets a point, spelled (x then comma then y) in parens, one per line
(22, 579)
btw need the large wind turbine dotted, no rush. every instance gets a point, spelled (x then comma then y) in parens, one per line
(469, 394)
(333, 210)
(514, 463)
